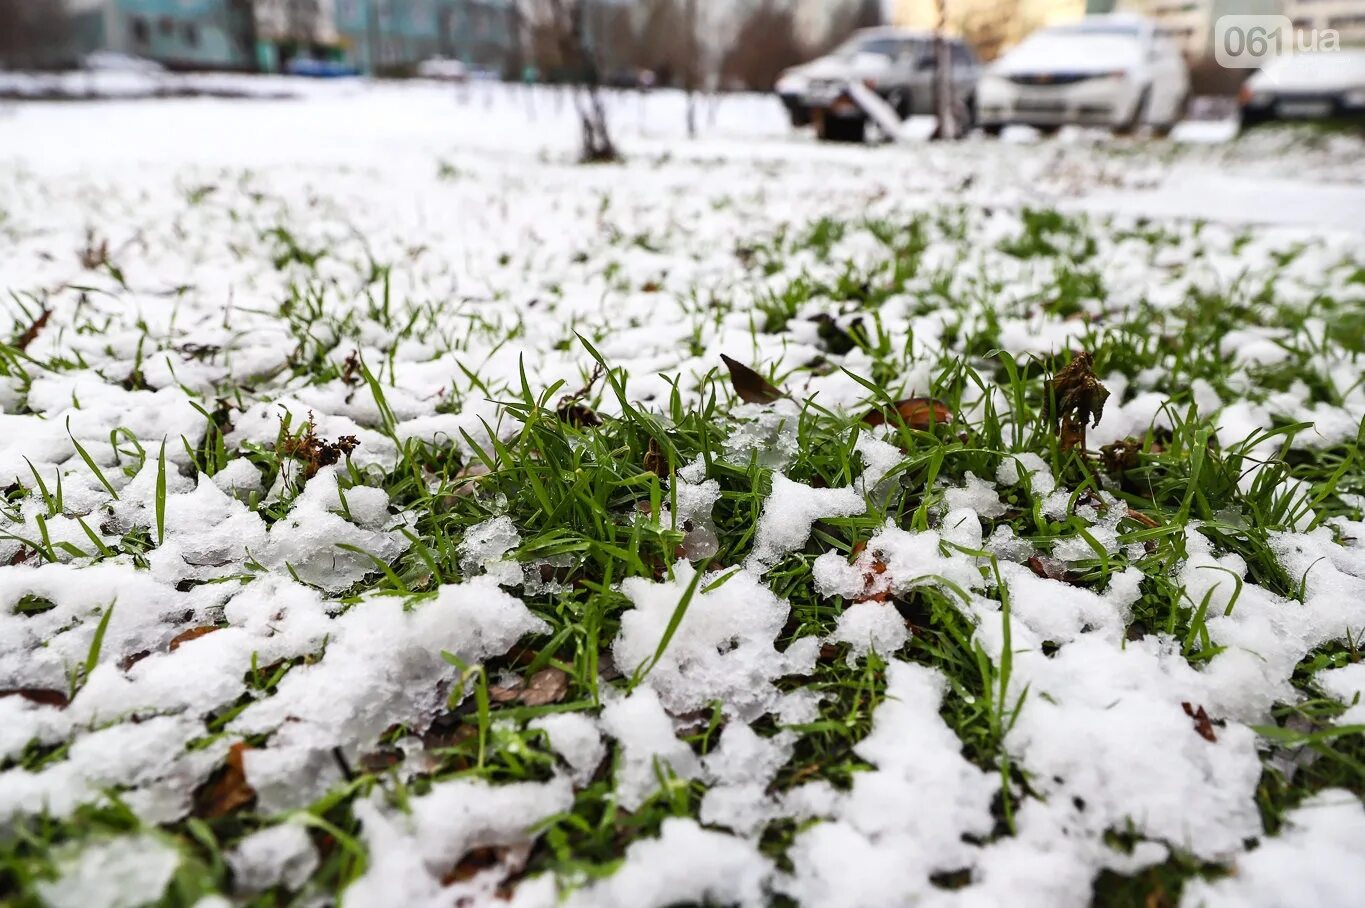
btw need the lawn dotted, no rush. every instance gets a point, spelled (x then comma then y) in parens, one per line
(396, 510)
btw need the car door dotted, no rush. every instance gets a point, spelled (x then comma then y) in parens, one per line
(965, 73)
(1169, 81)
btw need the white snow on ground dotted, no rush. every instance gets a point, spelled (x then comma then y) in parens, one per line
(164, 237)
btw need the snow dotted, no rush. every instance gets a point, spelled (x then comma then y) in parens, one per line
(119, 873)
(1316, 860)
(789, 513)
(722, 649)
(686, 863)
(280, 855)
(502, 243)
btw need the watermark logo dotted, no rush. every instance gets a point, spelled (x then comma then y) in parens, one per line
(1250, 42)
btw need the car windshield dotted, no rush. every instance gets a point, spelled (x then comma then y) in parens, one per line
(1058, 48)
(882, 46)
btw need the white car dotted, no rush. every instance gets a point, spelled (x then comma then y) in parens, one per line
(443, 69)
(1307, 86)
(1115, 71)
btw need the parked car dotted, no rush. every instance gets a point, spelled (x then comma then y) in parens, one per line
(1115, 70)
(1313, 85)
(791, 89)
(442, 69)
(319, 69)
(898, 64)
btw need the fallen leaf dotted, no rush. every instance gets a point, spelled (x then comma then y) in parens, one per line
(228, 791)
(549, 685)
(916, 412)
(875, 589)
(750, 387)
(193, 633)
(1047, 569)
(32, 332)
(655, 461)
(1202, 725)
(1077, 398)
(41, 695)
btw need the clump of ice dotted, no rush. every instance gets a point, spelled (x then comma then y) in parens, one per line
(310, 537)
(686, 864)
(383, 664)
(575, 737)
(977, 494)
(894, 561)
(723, 649)
(741, 768)
(645, 732)
(906, 820)
(484, 549)
(1016, 468)
(1346, 684)
(125, 872)
(765, 433)
(870, 627)
(1315, 860)
(280, 855)
(790, 511)
(411, 853)
(695, 501)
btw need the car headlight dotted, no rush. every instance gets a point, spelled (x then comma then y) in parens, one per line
(1356, 98)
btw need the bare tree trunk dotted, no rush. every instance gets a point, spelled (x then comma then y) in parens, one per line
(692, 66)
(592, 116)
(34, 35)
(944, 102)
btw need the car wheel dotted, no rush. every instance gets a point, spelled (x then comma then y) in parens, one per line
(1164, 129)
(993, 129)
(838, 129)
(1138, 116)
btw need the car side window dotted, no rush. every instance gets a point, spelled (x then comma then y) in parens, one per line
(962, 56)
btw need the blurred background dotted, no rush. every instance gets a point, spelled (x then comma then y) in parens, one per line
(852, 70)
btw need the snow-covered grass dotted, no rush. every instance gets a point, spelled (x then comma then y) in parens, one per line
(382, 520)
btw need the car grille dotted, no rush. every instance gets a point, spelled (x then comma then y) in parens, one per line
(1050, 78)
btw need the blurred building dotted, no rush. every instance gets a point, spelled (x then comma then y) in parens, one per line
(382, 36)
(1347, 17)
(181, 34)
(392, 35)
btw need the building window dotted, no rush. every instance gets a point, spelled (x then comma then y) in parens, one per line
(141, 33)
(191, 34)
(166, 26)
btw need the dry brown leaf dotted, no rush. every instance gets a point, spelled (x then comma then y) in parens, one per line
(749, 386)
(228, 791)
(41, 695)
(1077, 398)
(916, 412)
(1202, 725)
(193, 633)
(874, 588)
(549, 685)
(316, 452)
(655, 461)
(32, 332)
